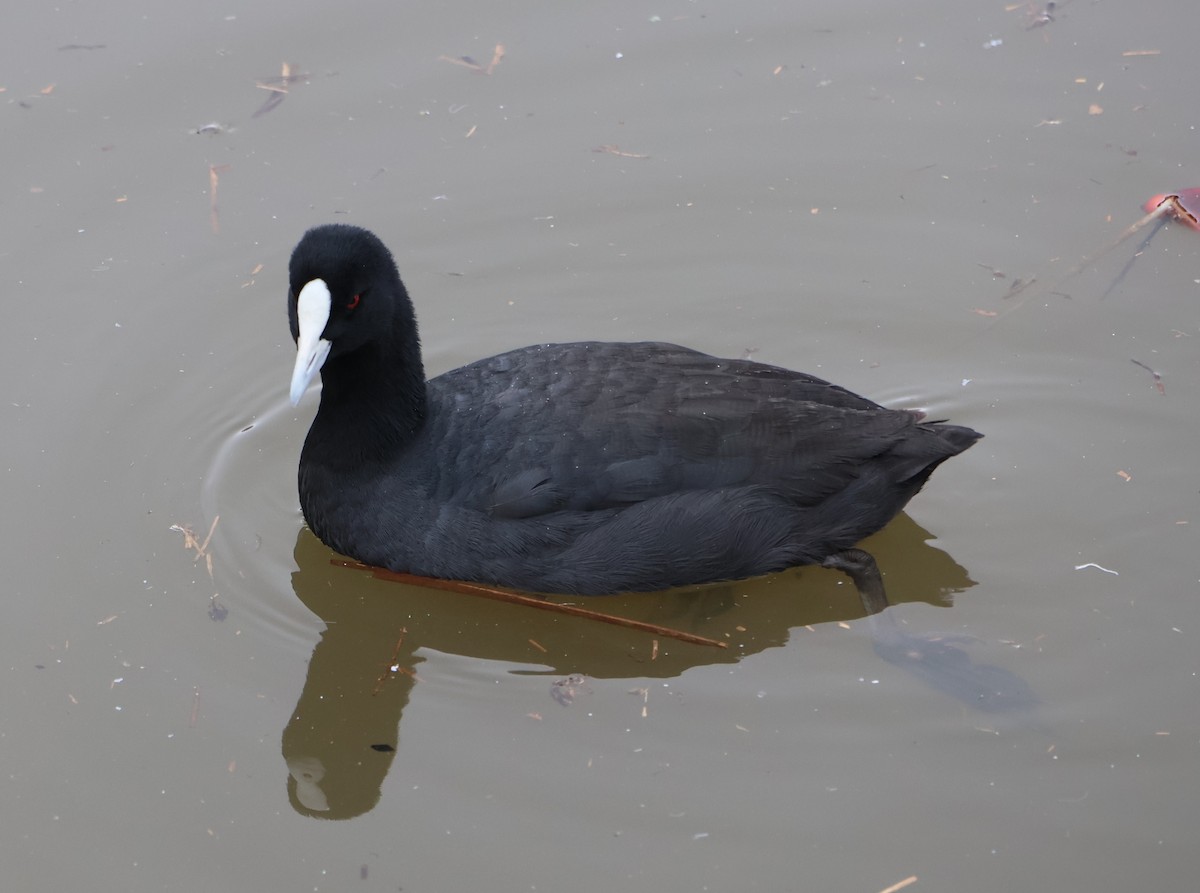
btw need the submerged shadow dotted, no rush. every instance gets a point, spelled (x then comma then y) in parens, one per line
(945, 667)
(344, 732)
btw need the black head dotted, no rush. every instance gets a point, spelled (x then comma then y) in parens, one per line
(345, 292)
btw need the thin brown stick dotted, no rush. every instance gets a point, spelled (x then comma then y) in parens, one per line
(468, 62)
(505, 595)
(1158, 382)
(616, 150)
(214, 179)
(211, 530)
(394, 662)
(497, 55)
(191, 542)
(900, 885)
(1169, 205)
(278, 88)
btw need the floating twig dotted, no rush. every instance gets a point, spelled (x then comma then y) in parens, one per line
(1179, 205)
(393, 665)
(616, 150)
(468, 62)
(505, 595)
(1158, 382)
(497, 55)
(278, 87)
(216, 610)
(214, 179)
(1159, 209)
(191, 542)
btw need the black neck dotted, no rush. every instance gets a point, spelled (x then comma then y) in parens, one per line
(373, 401)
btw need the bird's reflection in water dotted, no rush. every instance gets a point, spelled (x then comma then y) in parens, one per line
(306, 774)
(344, 732)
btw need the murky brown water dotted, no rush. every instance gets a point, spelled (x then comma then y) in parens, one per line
(825, 186)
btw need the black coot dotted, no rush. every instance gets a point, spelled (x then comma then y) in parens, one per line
(584, 468)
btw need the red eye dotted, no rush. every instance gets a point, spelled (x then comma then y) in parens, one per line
(353, 302)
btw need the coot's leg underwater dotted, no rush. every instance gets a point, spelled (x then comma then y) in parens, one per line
(861, 568)
(939, 664)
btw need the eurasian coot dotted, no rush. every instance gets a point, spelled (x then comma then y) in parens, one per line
(584, 468)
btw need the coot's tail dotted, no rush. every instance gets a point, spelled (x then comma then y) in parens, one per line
(957, 437)
(916, 458)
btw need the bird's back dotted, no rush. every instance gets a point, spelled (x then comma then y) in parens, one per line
(594, 425)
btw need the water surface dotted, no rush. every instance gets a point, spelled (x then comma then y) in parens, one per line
(829, 188)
